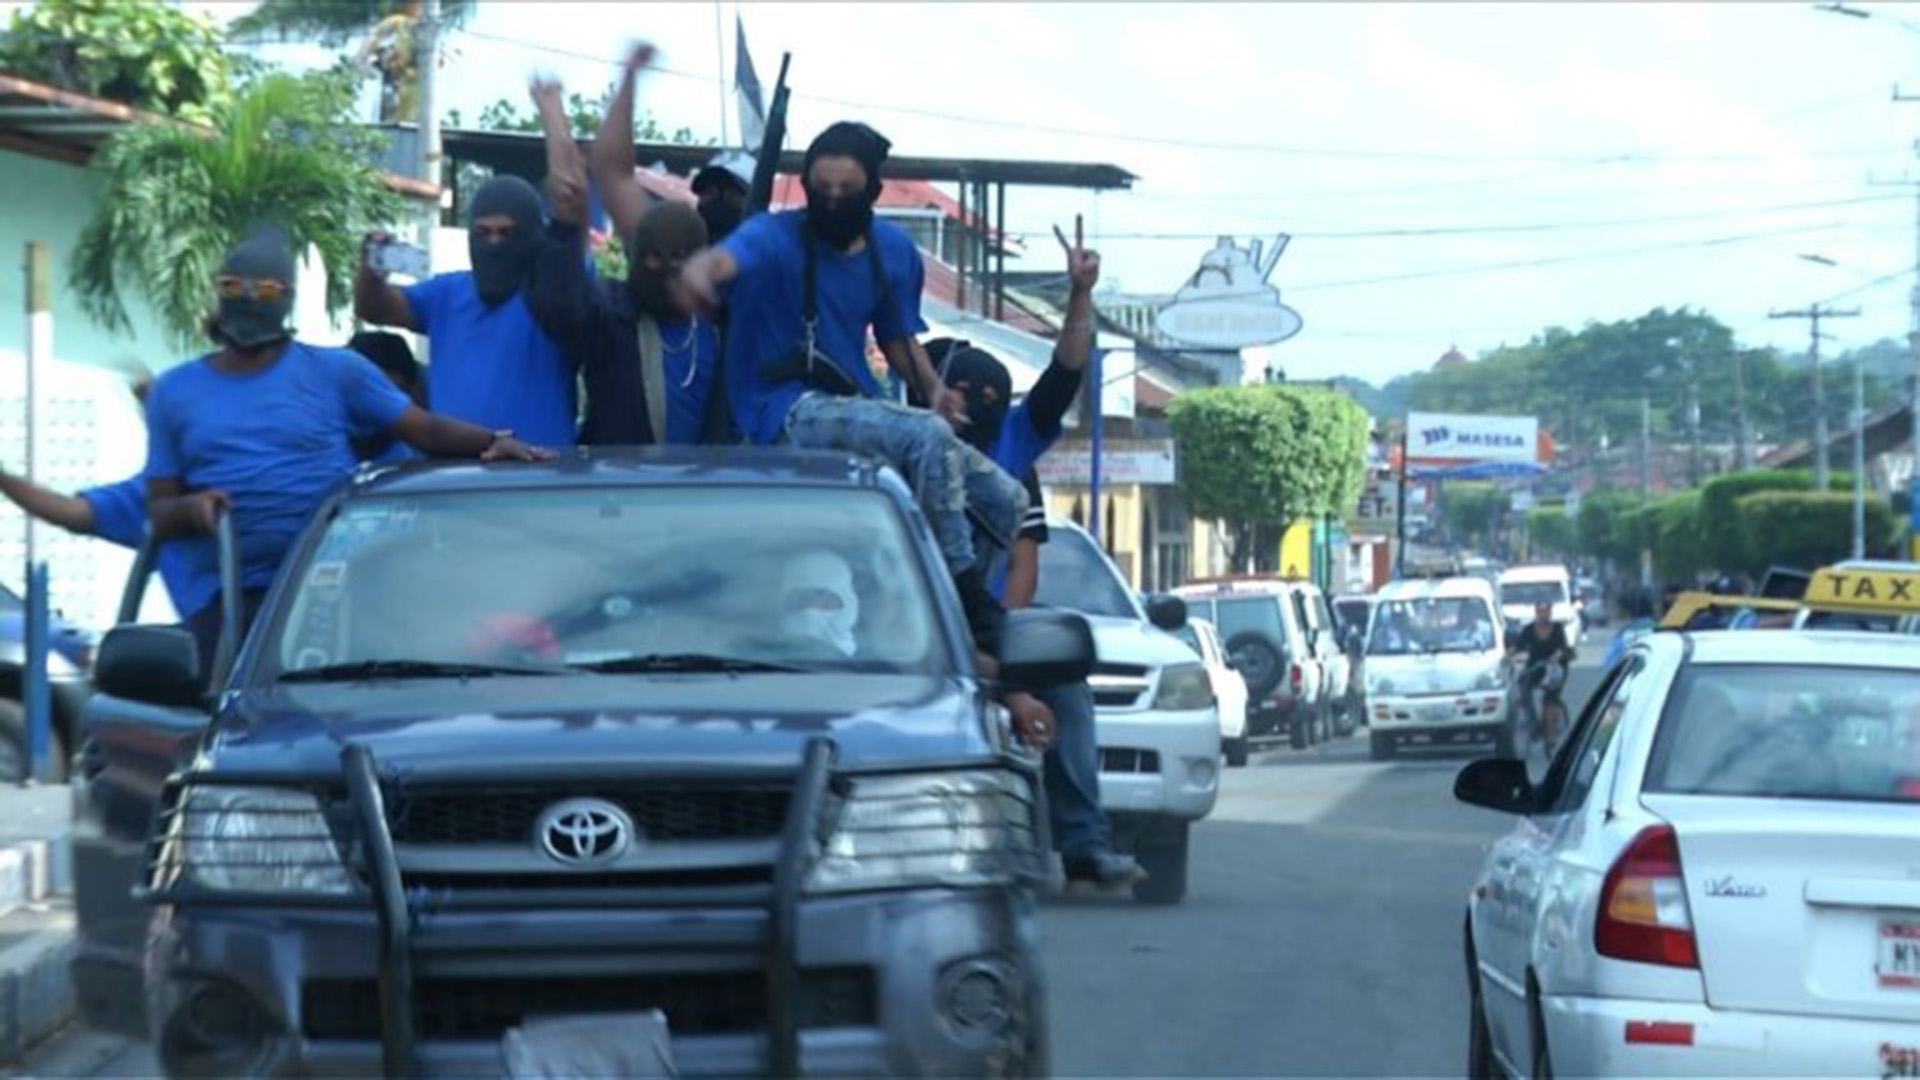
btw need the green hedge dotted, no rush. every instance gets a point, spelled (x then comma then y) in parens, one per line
(1551, 530)
(1679, 546)
(1605, 530)
(1810, 529)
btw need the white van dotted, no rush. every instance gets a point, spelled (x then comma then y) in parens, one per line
(1434, 670)
(1524, 587)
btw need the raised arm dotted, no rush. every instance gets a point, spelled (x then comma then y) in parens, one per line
(375, 299)
(1054, 393)
(566, 168)
(612, 154)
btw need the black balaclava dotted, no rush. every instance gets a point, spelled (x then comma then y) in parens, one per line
(499, 269)
(841, 220)
(979, 370)
(243, 322)
(669, 232)
(723, 201)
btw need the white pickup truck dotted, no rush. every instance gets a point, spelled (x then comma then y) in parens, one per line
(1158, 723)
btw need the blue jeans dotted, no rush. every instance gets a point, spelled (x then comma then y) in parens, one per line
(1072, 770)
(947, 475)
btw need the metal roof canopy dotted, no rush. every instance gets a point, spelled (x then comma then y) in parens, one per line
(524, 153)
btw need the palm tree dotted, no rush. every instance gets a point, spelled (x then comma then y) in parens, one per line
(388, 27)
(174, 198)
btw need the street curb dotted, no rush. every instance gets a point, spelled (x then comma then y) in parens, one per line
(31, 871)
(36, 989)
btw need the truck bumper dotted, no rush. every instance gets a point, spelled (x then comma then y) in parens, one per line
(1154, 762)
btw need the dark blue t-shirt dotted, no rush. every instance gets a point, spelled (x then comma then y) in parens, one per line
(494, 366)
(189, 566)
(765, 308)
(691, 355)
(276, 441)
(1022, 441)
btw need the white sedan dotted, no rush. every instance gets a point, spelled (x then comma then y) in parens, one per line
(1229, 689)
(1719, 875)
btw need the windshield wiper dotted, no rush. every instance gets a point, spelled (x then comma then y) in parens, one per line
(410, 669)
(680, 663)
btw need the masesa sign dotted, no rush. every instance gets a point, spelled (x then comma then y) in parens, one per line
(1454, 438)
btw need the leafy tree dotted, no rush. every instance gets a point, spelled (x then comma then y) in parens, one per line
(150, 56)
(1471, 509)
(174, 199)
(1255, 456)
(1810, 529)
(1606, 527)
(387, 29)
(1551, 530)
(583, 118)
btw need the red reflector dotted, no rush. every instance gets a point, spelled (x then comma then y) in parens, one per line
(1650, 1033)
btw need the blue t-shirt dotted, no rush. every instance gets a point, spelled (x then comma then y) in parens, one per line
(189, 566)
(691, 357)
(276, 441)
(1022, 442)
(765, 319)
(493, 366)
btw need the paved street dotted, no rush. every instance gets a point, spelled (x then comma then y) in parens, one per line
(1321, 936)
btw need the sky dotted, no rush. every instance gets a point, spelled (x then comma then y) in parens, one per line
(1451, 174)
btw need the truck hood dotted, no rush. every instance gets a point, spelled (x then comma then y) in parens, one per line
(1431, 673)
(1129, 641)
(661, 722)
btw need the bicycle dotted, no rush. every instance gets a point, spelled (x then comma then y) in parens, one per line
(1543, 725)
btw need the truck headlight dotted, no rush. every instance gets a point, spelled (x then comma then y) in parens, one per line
(1380, 686)
(958, 828)
(1489, 680)
(1184, 687)
(253, 840)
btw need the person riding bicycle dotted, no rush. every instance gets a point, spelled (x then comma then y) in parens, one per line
(1543, 642)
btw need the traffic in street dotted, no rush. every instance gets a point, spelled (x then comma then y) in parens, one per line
(1326, 892)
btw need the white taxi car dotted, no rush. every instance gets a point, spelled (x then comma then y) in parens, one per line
(1719, 874)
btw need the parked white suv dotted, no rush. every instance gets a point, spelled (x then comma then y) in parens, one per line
(1158, 724)
(1270, 637)
(1434, 666)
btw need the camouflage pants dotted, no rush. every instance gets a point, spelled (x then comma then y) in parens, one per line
(948, 477)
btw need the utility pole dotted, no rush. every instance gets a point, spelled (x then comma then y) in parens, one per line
(1742, 433)
(1813, 313)
(1646, 485)
(1695, 453)
(426, 63)
(1859, 459)
(1913, 388)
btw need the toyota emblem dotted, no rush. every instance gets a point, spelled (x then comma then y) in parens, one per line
(584, 833)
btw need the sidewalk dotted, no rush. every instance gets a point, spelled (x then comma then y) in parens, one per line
(36, 916)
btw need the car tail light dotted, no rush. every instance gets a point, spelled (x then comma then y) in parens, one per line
(1297, 677)
(1643, 906)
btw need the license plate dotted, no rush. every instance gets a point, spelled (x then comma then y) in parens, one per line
(1899, 965)
(1437, 712)
(605, 1045)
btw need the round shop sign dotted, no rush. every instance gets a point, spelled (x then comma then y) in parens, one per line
(1230, 324)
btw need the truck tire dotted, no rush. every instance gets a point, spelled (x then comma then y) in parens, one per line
(1297, 735)
(1259, 662)
(1382, 747)
(1237, 752)
(1163, 854)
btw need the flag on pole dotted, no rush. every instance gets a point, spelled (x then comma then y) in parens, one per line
(746, 84)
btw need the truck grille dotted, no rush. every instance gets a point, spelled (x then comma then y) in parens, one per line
(662, 814)
(1121, 760)
(455, 1010)
(1118, 686)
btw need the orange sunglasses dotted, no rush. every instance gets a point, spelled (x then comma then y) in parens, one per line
(239, 288)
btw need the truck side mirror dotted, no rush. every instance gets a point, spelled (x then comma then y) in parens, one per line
(1044, 647)
(1166, 611)
(154, 665)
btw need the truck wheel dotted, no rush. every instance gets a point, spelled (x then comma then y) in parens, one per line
(1163, 855)
(1346, 717)
(1237, 752)
(1297, 730)
(1382, 748)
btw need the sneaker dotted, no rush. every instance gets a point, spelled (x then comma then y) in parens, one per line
(1107, 870)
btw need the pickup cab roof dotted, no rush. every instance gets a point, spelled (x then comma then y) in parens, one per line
(631, 466)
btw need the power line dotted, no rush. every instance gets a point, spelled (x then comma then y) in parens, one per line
(1411, 232)
(1232, 146)
(1556, 260)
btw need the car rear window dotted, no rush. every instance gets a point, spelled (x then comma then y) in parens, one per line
(1515, 593)
(1257, 614)
(1791, 732)
(1076, 575)
(1435, 624)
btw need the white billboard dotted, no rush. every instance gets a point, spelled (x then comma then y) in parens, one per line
(1122, 461)
(1228, 304)
(1459, 439)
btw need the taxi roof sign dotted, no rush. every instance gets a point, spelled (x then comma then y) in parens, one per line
(1882, 587)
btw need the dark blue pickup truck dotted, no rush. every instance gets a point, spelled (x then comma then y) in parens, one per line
(691, 744)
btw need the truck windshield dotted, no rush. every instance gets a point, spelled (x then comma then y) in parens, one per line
(1075, 575)
(614, 578)
(1530, 593)
(1434, 625)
